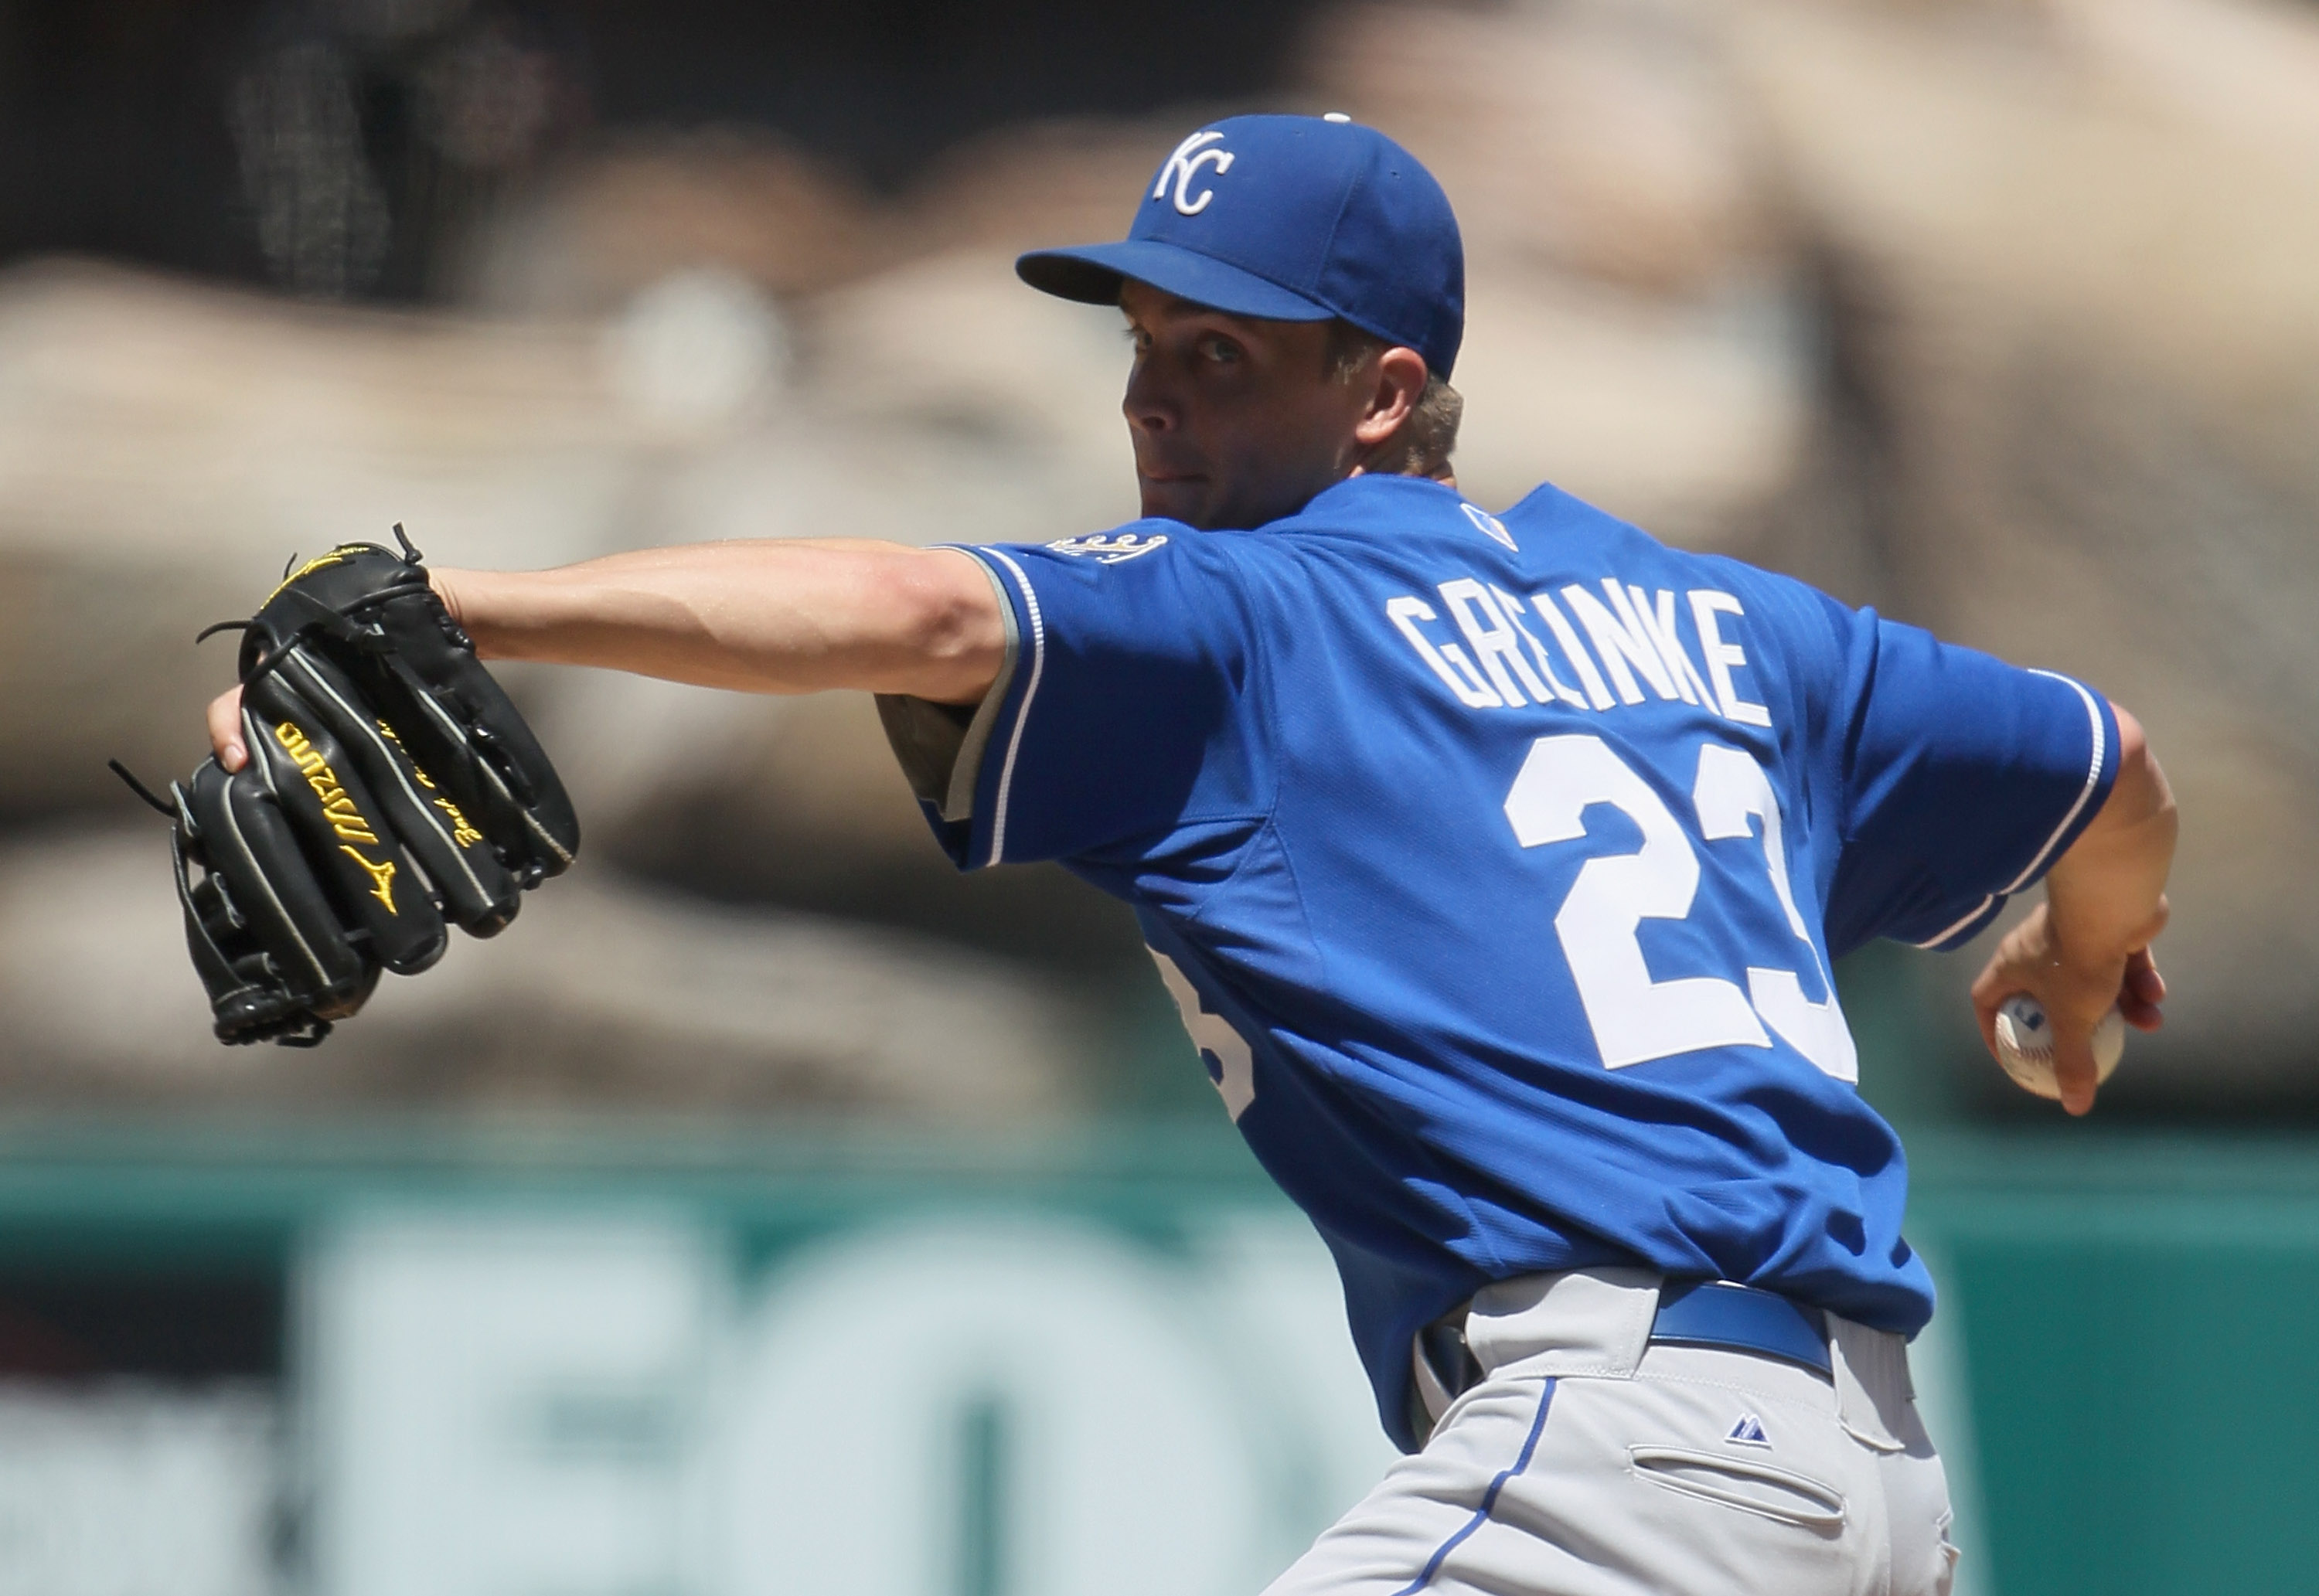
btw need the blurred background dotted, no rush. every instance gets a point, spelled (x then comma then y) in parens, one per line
(771, 1209)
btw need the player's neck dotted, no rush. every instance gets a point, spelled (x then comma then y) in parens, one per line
(1442, 474)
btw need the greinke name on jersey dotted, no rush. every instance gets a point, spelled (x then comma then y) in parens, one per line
(1636, 635)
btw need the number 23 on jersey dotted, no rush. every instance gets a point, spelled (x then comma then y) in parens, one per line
(1635, 1018)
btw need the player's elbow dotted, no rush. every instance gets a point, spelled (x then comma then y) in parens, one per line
(2139, 797)
(950, 636)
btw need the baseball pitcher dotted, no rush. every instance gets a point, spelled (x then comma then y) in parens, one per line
(1498, 862)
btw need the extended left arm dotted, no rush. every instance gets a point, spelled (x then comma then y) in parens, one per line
(774, 616)
(790, 616)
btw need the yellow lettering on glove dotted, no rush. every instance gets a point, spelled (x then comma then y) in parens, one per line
(465, 835)
(397, 741)
(338, 808)
(337, 556)
(381, 878)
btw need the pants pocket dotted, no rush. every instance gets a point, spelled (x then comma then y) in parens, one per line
(1741, 1483)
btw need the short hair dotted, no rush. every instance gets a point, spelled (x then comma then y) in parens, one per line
(1423, 445)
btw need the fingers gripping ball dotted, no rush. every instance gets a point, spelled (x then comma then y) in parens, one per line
(2025, 1044)
(391, 790)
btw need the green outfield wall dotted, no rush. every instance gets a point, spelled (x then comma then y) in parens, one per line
(2125, 1366)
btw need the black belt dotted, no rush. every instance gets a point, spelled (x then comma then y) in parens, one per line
(1691, 1313)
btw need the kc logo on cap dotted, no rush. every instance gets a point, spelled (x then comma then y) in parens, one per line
(1184, 165)
(1319, 217)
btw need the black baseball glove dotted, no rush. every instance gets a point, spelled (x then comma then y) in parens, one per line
(390, 788)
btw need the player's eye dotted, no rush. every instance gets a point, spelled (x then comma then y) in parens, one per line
(1219, 348)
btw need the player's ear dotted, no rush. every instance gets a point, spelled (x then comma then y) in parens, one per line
(1396, 384)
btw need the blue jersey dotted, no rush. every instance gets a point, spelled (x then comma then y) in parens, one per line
(1497, 865)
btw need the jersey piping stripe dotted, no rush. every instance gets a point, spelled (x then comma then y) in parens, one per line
(1022, 710)
(1957, 927)
(2085, 794)
(1489, 1500)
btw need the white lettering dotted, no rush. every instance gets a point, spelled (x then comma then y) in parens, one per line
(1706, 603)
(1466, 681)
(1503, 663)
(1496, 642)
(1669, 643)
(1597, 693)
(1514, 610)
(1619, 640)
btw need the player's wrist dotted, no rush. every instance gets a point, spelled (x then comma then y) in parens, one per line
(502, 613)
(453, 590)
(446, 583)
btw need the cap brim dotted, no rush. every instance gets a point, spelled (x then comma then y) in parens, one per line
(1092, 274)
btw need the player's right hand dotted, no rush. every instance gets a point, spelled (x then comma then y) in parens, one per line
(225, 729)
(2075, 992)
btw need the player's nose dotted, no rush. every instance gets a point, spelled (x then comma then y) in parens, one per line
(1147, 404)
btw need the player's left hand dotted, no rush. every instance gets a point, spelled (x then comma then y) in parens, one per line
(2076, 989)
(371, 785)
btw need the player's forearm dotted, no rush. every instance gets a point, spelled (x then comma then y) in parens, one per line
(2107, 895)
(786, 617)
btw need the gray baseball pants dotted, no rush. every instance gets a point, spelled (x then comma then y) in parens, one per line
(1587, 1462)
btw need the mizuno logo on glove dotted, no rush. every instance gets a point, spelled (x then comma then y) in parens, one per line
(293, 908)
(382, 877)
(338, 808)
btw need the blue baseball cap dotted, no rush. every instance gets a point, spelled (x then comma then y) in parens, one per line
(1291, 219)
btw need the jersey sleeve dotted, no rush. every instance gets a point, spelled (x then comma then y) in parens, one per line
(1964, 778)
(1122, 709)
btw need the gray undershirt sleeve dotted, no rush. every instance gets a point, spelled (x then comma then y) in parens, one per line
(939, 746)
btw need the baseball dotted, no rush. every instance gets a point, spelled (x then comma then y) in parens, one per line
(2025, 1045)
